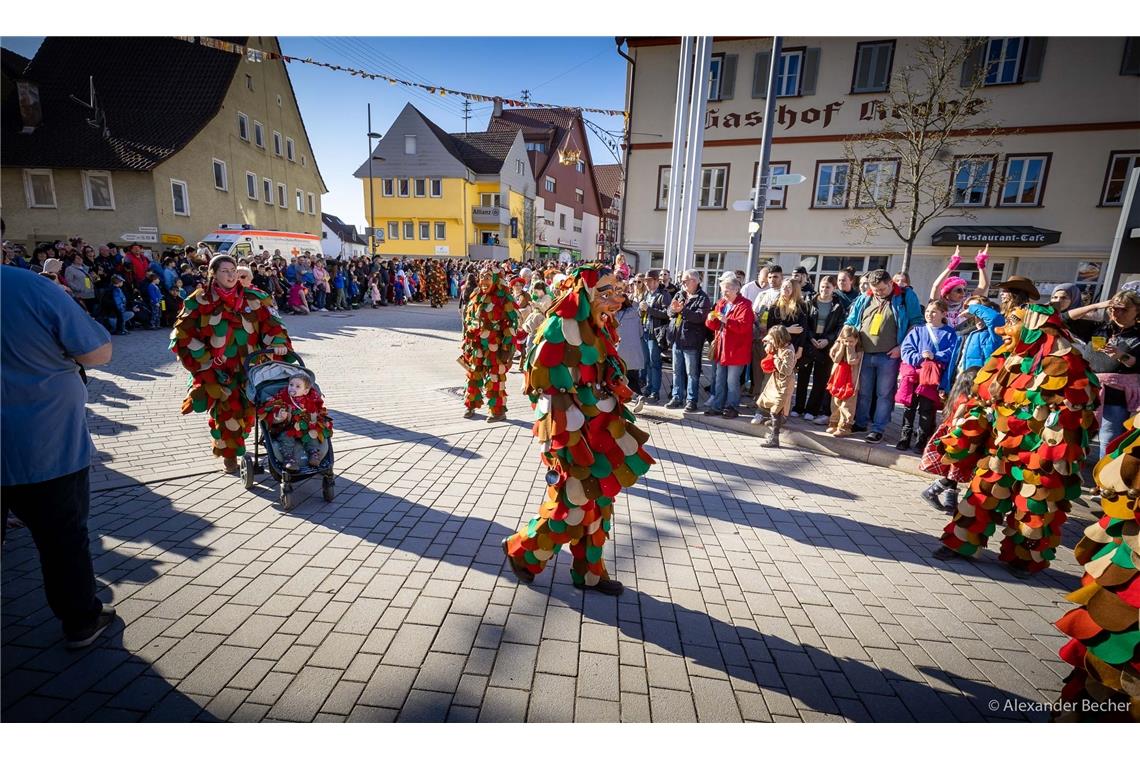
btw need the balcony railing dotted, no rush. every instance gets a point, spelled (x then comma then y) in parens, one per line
(490, 215)
(487, 252)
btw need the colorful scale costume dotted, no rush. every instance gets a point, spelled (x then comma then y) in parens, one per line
(1023, 433)
(436, 277)
(212, 337)
(1104, 648)
(577, 385)
(489, 323)
(308, 418)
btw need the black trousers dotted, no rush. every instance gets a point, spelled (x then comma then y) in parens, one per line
(923, 427)
(634, 377)
(55, 513)
(816, 366)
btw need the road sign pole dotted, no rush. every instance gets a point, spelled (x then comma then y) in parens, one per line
(760, 202)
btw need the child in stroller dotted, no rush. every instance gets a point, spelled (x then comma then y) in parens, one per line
(298, 420)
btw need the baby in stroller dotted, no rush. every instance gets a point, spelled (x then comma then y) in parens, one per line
(297, 419)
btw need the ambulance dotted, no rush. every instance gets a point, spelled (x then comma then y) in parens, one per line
(243, 240)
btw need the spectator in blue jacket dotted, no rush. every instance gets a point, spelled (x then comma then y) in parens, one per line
(935, 341)
(153, 300)
(883, 318)
(118, 316)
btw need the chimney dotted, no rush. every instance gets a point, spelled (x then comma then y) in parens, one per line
(31, 114)
(498, 108)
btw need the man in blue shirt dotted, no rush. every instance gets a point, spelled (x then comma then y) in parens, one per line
(45, 448)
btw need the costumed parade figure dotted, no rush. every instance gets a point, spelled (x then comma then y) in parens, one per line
(577, 384)
(436, 284)
(220, 324)
(1104, 645)
(489, 323)
(1024, 433)
(298, 420)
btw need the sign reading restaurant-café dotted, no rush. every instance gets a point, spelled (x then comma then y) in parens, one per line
(1006, 237)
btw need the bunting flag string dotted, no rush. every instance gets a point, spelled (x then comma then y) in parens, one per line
(254, 55)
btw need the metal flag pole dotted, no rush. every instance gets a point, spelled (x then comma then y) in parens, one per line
(702, 78)
(763, 181)
(676, 157)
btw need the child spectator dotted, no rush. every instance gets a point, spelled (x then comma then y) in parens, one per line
(298, 420)
(154, 300)
(775, 401)
(943, 493)
(843, 383)
(926, 355)
(116, 307)
(297, 301)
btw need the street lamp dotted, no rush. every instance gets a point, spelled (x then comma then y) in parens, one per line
(371, 192)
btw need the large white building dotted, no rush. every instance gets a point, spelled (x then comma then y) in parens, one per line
(1069, 116)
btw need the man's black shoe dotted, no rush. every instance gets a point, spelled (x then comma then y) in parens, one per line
(713, 412)
(691, 406)
(873, 437)
(858, 428)
(86, 637)
(609, 587)
(675, 403)
(903, 444)
(731, 412)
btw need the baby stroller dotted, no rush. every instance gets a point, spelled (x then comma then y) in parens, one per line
(262, 382)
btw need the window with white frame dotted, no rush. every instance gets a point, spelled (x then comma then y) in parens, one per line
(830, 185)
(550, 184)
(716, 69)
(1024, 180)
(711, 267)
(520, 167)
(421, 188)
(388, 187)
(714, 180)
(579, 195)
(267, 190)
(663, 174)
(580, 166)
(258, 134)
(437, 188)
(221, 176)
(561, 221)
(536, 147)
(489, 199)
(878, 185)
(1120, 166)
(300, 196)
(404, 186)
(441, 230)
(410, 145)
(249, 82)
(251, 185)
(972, 180)
(312, 203)
(290, 149)
(282, 195)
(393, 230)
(98, 193)
(777, 196)
(1003, 59)
(179, 197)
(409, 231)
(789, 73)
(425, 230)
(276, 143)
(872, 66)
(243, 126)
(819, 267)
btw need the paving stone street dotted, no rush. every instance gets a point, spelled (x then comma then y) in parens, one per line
(761, 585)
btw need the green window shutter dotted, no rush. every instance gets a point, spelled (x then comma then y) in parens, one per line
(974, 64)
(760, 75)
(728, 78)
(1034, 59)
(810, 72)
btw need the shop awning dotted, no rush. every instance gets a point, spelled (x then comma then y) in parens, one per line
(1002, 237)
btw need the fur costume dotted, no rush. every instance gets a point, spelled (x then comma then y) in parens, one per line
(1104, 644)
(1024, 433)
(489, 323)
(577, 385)
(212, 337)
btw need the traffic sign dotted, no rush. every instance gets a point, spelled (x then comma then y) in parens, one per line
(782, 180)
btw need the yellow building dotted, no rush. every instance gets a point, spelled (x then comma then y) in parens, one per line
(437, 194)
(183, 138)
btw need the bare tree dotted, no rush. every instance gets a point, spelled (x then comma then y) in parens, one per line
(930, 122)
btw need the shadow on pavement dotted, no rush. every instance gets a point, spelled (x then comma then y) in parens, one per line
(382, 431)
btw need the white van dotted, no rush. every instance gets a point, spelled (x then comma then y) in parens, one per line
(242, 240)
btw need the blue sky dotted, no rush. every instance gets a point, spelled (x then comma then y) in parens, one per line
(585, 71)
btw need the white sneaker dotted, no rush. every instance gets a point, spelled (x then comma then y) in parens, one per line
(795, 414)
(757, 419)
(809, 417)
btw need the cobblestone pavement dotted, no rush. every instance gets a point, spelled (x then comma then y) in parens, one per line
(761, 585)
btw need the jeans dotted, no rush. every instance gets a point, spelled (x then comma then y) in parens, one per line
(117, 321)
(55, 512)
(1111, 425)
(319, 297)
(877, 377)
(155, 314)
(686, 372)
(726, 386)
(652, 372)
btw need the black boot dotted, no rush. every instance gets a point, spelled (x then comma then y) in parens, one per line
(772, 441)
(932, 492)
(904, 439)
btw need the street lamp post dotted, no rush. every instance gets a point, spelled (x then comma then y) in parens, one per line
(371, 192)
(760, 202)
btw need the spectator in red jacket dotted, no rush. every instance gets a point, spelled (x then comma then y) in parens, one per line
(731, 320)
(138, 262)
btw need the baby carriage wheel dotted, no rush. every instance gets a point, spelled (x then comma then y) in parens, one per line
(248, 470)
(327, 489)
(288, 500)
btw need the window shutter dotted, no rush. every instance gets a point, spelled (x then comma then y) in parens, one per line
(1131, 61)
(1034, 59)
(972, 66)
(728, 78)
(811, 71)
(760, 75)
